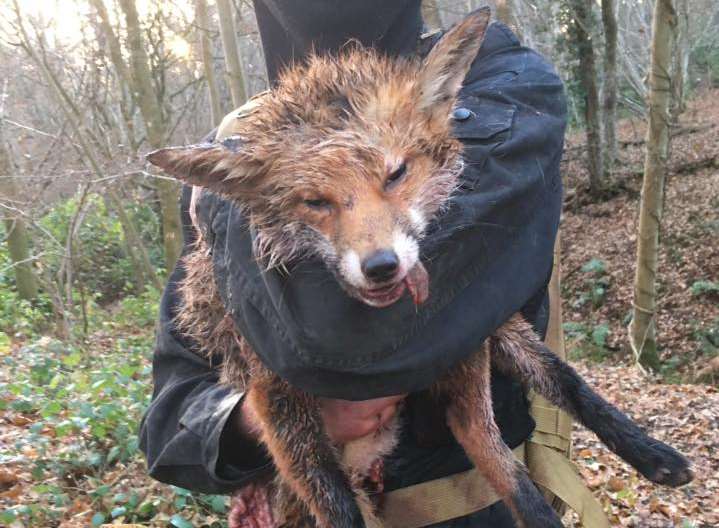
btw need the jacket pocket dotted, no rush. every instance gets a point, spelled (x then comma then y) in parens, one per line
(481, 125)
(482, 120)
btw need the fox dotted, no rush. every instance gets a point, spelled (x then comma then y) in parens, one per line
(348, 159)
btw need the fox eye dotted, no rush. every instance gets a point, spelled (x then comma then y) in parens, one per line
(396, 176)
(317, 204)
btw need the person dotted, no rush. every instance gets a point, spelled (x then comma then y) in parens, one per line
(492, 254)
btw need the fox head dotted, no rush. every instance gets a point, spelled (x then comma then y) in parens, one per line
(347, 158)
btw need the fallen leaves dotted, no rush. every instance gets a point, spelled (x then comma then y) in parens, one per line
(684, 416)
(615, 484)
(7, 478)
(20, 420)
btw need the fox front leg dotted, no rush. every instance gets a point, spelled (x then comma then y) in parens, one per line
(517, 350)
(471, 418)
(303, 454)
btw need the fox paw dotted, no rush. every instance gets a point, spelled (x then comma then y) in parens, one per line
(667, 466)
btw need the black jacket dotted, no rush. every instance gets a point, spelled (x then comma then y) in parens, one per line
(489, 257)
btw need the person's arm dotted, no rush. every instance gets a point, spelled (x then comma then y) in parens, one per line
(198, 435)
(193, 420)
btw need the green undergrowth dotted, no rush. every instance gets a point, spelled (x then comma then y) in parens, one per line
(73, 409)
(595, 336)
(589, 339)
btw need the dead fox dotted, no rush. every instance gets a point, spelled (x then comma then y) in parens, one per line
(349, 158)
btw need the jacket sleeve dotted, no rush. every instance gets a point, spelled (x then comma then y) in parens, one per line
(187, 433)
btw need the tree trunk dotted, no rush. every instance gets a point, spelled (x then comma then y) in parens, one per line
(431, 15)
(203, 26)
(642, 329)
(609, 103)
(113, 49)
(156, 127)
(232, 56)
(16, 235)
(505, 13)
(15, 231)
(680, 61)
(588, 77)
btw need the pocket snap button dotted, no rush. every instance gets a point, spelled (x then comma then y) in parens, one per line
(461, 114)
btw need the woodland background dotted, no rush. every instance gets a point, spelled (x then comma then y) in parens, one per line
(89, 232)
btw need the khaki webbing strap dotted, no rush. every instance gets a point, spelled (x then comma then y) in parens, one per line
(553, 472)
(439, 500)
(554, 427)
(551, 440)
(548, 451)
(465, 493)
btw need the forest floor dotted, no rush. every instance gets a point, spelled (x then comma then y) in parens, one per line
(69, 412)
(598, 253)
(684, 416)
(599, 246)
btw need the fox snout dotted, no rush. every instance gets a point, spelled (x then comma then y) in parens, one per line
(380, 275)
(381, 266)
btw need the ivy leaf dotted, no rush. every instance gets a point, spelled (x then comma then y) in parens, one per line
(218, 503)
(182, 492)
(600, 334)
(595, 266)
(7, 517)
(113, 454)
(101, 491)
(119, 497)
(51, 409)
(178, 521)
(72, 360)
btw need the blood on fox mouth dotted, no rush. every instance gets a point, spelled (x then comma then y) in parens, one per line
(416, 281)
(383, 295)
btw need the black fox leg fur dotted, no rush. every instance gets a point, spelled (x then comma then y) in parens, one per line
(471, 418)
(517, 350)
(304, 457)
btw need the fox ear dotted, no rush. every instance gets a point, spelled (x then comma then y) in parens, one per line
(448, 63)
(221, 167)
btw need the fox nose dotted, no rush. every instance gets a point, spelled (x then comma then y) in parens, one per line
(381, 265)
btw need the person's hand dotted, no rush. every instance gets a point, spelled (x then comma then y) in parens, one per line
(349, 420)
(344, 420)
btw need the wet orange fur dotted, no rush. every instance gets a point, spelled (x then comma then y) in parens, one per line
(471, 419)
